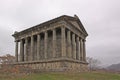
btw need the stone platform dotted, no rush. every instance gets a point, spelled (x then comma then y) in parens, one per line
(58, 65)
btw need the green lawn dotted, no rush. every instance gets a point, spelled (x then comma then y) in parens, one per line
(62, 76)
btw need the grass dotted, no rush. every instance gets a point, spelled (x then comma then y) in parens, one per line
(62, 76)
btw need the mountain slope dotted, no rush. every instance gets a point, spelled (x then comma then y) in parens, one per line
(115, 67)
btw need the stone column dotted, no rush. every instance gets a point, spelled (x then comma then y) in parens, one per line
(45, 44)
(73, 46)
(21, 50)
(16, 51)
(32, 48)
(63, 42)
(69, 44)
(81, 50)
(78, 49)
(54, 43)
(38, 47)
(26, 49)
(84, 51)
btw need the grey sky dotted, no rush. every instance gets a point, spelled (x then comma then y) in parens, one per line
(101, 19)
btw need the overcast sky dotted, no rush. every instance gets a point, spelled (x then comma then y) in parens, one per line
(101, 19)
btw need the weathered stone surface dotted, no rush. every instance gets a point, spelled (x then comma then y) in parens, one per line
(56, 45)
(58, 65)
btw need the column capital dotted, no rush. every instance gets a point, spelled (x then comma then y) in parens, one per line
(84, 40)
(77, 38)
(16, 40)
(26, 39)
(32, 35)
(45, 31)
(73, 37)
(53, 29)
(80, 38)
(62, 26)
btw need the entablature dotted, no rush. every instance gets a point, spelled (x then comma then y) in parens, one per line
(37, 30)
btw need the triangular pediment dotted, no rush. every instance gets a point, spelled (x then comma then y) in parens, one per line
(77, 23)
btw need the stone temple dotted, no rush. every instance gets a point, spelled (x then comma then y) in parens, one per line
(55, 45)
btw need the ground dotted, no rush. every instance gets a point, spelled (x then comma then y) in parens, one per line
(62, 76)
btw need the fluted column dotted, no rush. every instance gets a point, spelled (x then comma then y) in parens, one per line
(38, 47)
(69, 44)
(81, 49)
(26, 49)
(54, 43)
(32, 48)
(16, 51)
(84, 51)
(77, 49)
(73, 46)
(21, 50)
(45, 45)
(63, 42)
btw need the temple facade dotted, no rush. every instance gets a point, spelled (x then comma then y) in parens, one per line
(55, 45)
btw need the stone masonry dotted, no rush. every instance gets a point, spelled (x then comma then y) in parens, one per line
(55, 45)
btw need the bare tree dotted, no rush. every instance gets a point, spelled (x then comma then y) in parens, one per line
(7, 59)
(93, 63)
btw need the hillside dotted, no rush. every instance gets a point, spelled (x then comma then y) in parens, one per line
(115, 67)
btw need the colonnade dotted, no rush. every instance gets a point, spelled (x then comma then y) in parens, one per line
(72, 46)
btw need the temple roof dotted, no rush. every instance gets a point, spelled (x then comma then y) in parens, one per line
(74, 21)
